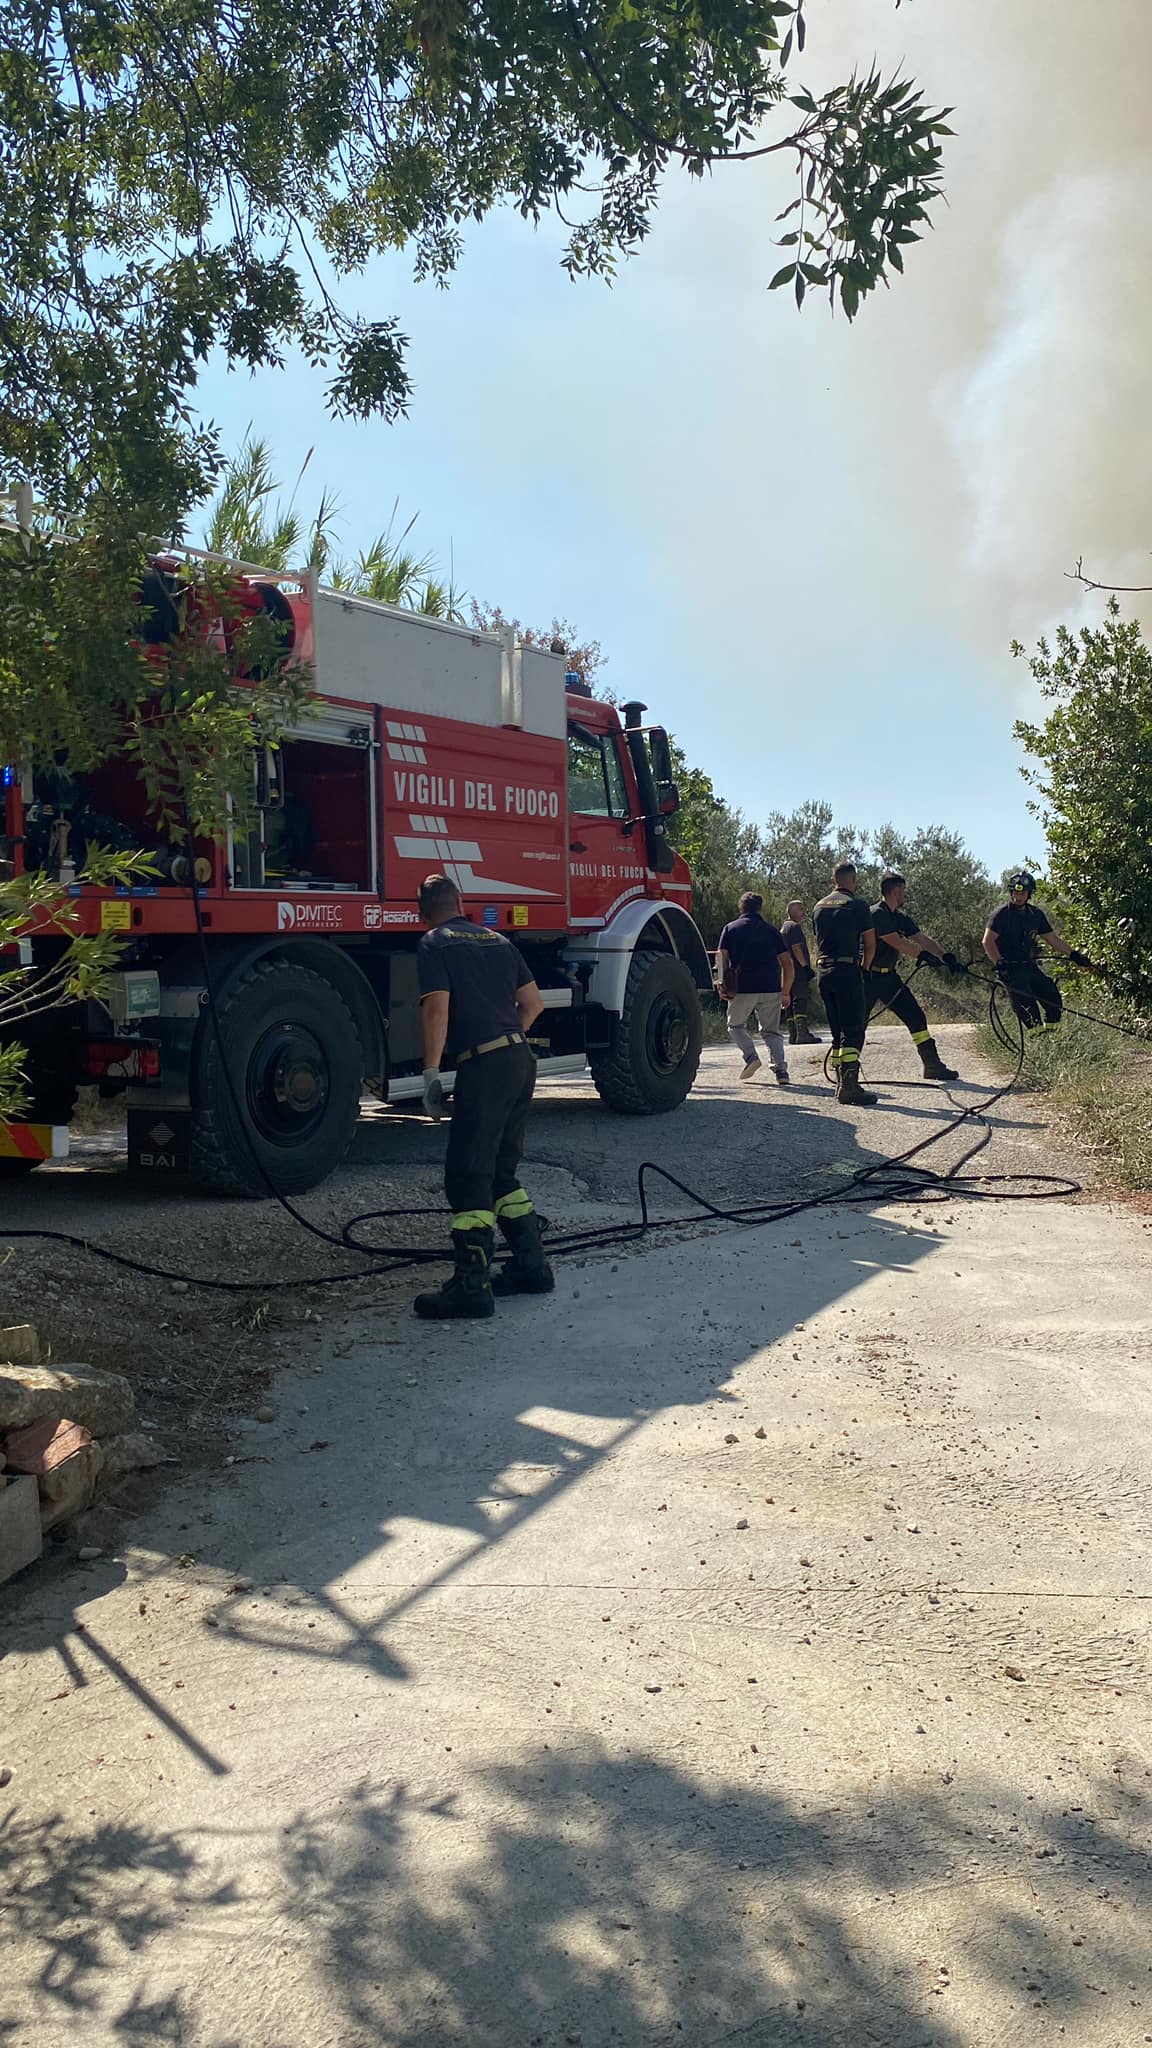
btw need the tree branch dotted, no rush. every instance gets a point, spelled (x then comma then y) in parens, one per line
(1077, 575)
(663, 142)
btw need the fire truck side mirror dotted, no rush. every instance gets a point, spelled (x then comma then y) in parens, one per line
(661, 754)
(663, 773)
(268, 768)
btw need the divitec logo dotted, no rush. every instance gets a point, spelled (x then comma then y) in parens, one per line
(309, 917)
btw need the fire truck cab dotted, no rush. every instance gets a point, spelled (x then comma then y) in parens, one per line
(267, 981)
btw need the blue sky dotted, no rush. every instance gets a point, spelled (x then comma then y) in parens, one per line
(805, 545)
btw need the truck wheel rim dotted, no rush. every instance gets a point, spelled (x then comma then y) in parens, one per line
(666, 1035)
(288, 1084)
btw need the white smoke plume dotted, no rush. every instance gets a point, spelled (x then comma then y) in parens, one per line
(1049, 421)
(1045, 388)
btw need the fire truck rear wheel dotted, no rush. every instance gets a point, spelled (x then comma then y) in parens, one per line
(656, 1050)
(296, 1064)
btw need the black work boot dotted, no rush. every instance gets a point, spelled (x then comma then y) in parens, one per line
(933, 1065)
(527, 1271)
(848, 1087)
(801, 1034)
(469, 1291)
(792, 1031)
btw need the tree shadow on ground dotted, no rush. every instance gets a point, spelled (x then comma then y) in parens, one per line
(623, 1900)
(578, 1896)
(80, 1905)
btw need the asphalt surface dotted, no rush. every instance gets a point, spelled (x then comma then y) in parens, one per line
(747, 1644)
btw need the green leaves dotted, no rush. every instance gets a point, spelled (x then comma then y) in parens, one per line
(80, 968)
(183, 176)
(869, 165)
(1093, 792)
(76, 682)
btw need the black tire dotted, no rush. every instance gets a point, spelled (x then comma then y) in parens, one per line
(655, 1051)
(296, 1067)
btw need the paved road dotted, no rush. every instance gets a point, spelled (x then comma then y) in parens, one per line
(746, 1646)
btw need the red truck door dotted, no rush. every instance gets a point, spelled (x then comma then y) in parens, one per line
(606, 850)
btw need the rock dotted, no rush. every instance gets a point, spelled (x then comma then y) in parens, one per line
(40, 1446)
(101, 1526)
(20, 1537)
(761, 1433)
(178, 1286)
(5, 1776)
(20, 1345)
(266, 1412)
(133, 1451)
(743, 1524)
(89, 1553)
(70, 1488)
(101, 1401)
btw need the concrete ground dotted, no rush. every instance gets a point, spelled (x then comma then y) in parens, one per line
(747, 1645)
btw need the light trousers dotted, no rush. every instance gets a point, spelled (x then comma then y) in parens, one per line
(741, 1010)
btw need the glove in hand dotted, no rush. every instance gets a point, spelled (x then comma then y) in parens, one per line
(433, 1093)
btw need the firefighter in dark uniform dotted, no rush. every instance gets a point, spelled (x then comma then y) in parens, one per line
(478, 1001)
(896, 934)
(845, 944)
(1011, 941)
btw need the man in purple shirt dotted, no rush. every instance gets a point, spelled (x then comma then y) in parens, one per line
(754, 972)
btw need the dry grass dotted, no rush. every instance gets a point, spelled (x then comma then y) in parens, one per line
(1102, 1083)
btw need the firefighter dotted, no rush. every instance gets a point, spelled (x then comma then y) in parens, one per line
(845, 944)
(478, 1002)
(896, 934)
(1011, 941)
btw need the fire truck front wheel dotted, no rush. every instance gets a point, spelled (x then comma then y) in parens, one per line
(295, 1065)
(655, 1053)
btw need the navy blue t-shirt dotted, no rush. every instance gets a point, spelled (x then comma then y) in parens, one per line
(754, 947)
(481, 971)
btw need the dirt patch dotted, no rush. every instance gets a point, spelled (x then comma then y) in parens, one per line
(198, 1358)
(201, 1360)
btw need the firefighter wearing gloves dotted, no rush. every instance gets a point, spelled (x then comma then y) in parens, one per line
(1011, 941)
(845, 944)
(896, 934)
(478, 1001)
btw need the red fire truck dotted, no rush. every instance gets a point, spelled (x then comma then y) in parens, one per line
(425, 746)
